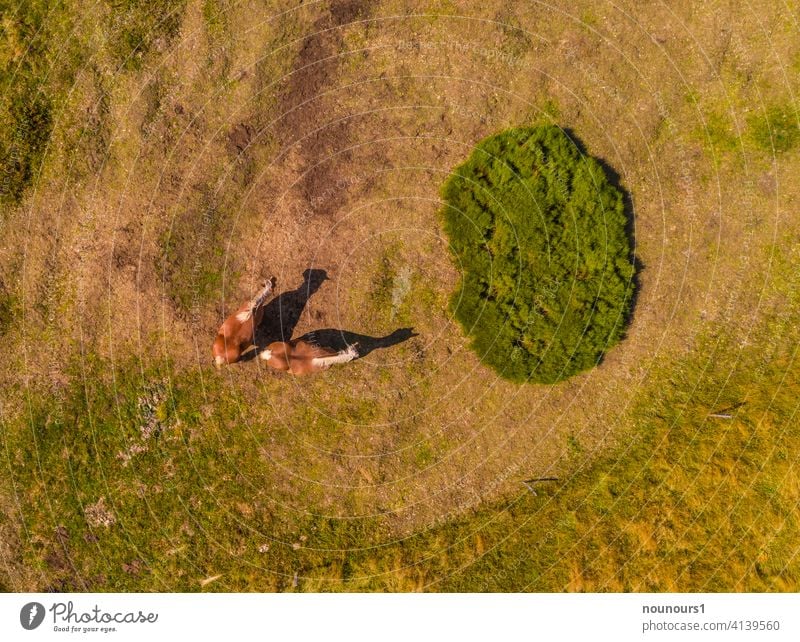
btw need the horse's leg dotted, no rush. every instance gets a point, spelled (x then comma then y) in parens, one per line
(342, 356)
(254, 305)
(261, 297)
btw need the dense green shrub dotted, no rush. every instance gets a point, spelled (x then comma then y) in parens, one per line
(539, 234)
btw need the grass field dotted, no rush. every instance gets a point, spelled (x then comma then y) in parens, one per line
(157, 163)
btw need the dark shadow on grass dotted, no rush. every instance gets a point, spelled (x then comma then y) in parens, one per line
(630, 223)
(341, 339)
(282, 314)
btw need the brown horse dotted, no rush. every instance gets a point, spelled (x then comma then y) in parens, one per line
(300, 357)
(236, 336)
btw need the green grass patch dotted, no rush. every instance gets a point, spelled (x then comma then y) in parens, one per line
(516, 41)
(138, 24)
(383, 278)
(718, 133)
(144, 480)
(42, 47)
(26, 109)
(217, 23)
(539, 234)
(396, 289)
(193, 262)
(156, 480)
(685, 503)
(776, 130)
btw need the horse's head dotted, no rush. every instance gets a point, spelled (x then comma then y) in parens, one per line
(313, 279)
(224, 351)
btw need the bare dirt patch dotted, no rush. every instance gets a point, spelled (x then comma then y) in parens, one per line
(306, 112)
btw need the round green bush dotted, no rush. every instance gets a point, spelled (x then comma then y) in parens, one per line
(539, 235)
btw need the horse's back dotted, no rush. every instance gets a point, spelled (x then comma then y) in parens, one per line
(306, 350)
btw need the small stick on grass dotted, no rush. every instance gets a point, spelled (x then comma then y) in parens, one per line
(530, 482)
(208, 580)
(725, 413)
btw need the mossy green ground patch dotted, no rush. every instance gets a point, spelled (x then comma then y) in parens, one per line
(776, 129)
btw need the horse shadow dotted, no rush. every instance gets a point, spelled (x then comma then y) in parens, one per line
(340, 339)
(282, 314)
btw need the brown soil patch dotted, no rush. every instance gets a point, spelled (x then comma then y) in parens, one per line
(306, 112)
